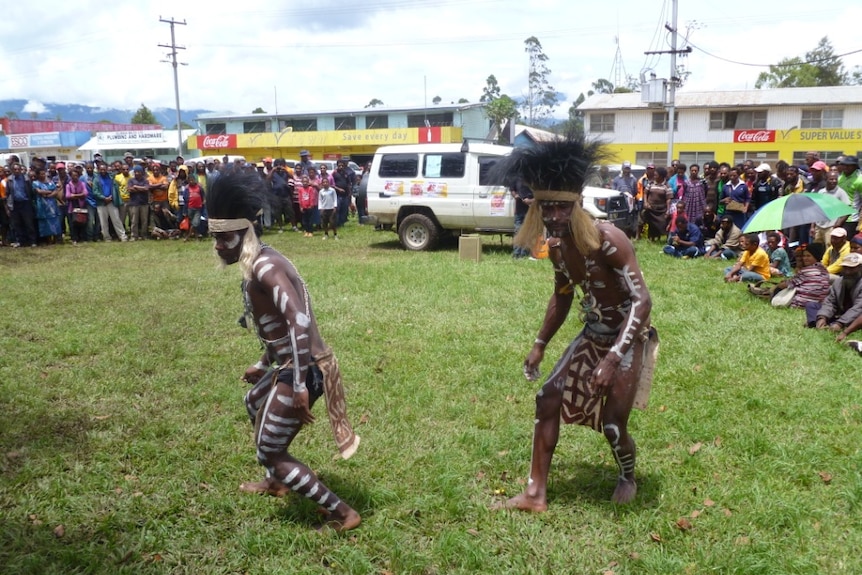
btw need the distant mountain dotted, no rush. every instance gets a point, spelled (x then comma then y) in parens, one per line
(167, 117)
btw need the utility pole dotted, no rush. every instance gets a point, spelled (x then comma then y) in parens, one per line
(674, 79)
(173, 55)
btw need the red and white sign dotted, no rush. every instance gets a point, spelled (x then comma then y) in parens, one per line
(753, 136)
(217, 142)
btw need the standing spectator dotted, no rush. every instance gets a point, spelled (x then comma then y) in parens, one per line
(279, 181)
(361, 193)
(297, 211)
(694, 195)
(139, 205)
(194, 202)
(523, 198)
(177, 192)
(121, 180)
(304, 163)
(765, 188)
(851, 182)
(308, 205)
(4, 209)
(158, 186)
(677, 179)
(644, 184)
(710, 180)
(107, 196)
(76, 193)
(19, 199)
(47, 211)
(627, 184)
(736, 198)
(76, 203)
(818, 172)
(342, 181)
(657, 206)
(327, 203)
(820, 231)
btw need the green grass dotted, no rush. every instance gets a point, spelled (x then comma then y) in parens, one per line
(122, 422)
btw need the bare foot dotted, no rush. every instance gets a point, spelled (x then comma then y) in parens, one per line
(269, 486)
(523, 502)
(625, 491)
(341, 522)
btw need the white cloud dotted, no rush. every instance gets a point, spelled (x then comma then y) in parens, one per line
(34, 107)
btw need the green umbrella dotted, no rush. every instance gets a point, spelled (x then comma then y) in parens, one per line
(796, 210)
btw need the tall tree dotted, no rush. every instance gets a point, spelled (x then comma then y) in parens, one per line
(491, 91)
(143, 116)
(501, 110)
(602, 86)
(12, 115)
(374, 103)
(437, 100)
(258, 110)
(819, 67)
(541, 97)
(463, 101)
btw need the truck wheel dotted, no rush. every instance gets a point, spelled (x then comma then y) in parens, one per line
(418, 232)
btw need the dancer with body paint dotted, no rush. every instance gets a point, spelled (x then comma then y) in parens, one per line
(297, 366)
(608, 367)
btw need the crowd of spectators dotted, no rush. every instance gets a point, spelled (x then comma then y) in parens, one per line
(815, 266)
(51, 203)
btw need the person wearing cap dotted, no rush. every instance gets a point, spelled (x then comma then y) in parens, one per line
(856, 244)
(843, 305)
(817, 177)
(851, 182)
(297, 366)
(605, 370)
(304, 163)
(838, 249)
(765, 188)
(820, 230)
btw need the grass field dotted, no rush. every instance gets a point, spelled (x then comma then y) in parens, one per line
(124, 439)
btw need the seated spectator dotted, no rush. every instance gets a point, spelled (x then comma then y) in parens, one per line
(838, 248)
(687, 242)
(856, 244)
(779, 262)
(709, 223)
(164, 223)
(811, 281)
(727, 241)
(753, 264)
(843, 305)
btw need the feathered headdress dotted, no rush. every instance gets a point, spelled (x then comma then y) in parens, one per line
(556, 170)
(233, 203)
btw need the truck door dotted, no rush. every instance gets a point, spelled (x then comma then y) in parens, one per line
(493, 206)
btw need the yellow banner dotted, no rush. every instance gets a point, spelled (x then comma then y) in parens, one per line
(346, 138)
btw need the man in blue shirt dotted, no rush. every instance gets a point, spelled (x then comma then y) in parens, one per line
(688, 241)
(22, 215)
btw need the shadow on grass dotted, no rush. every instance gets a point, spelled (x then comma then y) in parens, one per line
(595, 483)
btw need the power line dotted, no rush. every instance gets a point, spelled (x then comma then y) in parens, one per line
(817, 61)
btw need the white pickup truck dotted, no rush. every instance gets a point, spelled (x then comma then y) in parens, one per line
(424, 191)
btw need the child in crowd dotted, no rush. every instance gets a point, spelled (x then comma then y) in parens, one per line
(307, 195)
(327, 203)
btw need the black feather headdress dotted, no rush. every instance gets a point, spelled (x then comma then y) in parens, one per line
(562, 164)
(235, 195)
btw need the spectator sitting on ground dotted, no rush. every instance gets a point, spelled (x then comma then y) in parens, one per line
(779, 262)
(753, 264)
(843, 305)
(709, 224)
(838, 248)
(164, 223)
(687, 242)
(811, 279)
(727, 241)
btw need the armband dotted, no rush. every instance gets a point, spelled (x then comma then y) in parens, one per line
(540, 341)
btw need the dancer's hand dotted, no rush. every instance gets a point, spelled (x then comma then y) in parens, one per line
(603, 375)
(253, 374)
(533, 361)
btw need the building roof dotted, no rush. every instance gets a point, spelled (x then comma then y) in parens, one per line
(826, 95)
(377, 110)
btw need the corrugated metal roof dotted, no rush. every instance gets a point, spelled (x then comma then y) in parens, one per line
(376, 110)
(827, 95)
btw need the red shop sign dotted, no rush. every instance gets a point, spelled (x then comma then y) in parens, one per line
(753, 136)
(217, 142)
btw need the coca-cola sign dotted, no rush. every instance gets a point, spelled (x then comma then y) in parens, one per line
(753, 136)
(217, 142)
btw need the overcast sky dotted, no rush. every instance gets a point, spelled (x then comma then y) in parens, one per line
(290, 55)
